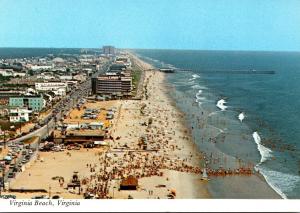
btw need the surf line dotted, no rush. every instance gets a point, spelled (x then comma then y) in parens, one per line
(241, 116)
(220, 105)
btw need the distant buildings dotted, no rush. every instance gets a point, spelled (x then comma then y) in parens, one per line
(29, 85)
(123, 60)
(109, 50)
(35, 103)
(59, 88)
(116, 82)
(40, 67)
(11, 72)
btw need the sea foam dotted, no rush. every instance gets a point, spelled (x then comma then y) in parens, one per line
(199, 98)
(220, 104)
(196, 86)
(265, 152)
(241, 116)
(282, 183)
(195, 76)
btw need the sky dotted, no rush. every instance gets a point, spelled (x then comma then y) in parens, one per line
(271, 25)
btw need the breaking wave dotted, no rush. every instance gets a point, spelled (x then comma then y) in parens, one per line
(220, 104)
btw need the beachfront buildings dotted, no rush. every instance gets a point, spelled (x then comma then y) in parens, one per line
(124, 60)
(109, 50)
(35, 103)
(114, 85)
(19, 115)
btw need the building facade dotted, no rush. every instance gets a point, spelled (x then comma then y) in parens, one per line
(35, 103)
(19, 115)
(59, 88)
(112, 85)
(109, 50)
(50, 86)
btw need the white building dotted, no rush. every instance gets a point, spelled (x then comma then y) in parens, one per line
(6, 72)
(19, 115)
(66, 77)
(59, 88)
(42, 67)
(20, 74)
(60, 92)
(45, 76)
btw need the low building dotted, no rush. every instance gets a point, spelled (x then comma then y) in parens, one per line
(6, 72)
(6, 94)
(35, 103)
(123, 60)
(82, 136)
(41, 67)
(19, 115)
(66, 77)
(59, 88)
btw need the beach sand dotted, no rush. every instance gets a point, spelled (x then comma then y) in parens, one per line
(169, 145)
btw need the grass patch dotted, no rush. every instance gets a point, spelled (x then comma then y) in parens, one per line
(136, 76)
(30, 140)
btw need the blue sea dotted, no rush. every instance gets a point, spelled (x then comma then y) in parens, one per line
(241, 119)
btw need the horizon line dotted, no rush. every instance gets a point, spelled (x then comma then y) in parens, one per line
(186, 49)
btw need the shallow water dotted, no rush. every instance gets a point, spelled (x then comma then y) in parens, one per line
(268, 134)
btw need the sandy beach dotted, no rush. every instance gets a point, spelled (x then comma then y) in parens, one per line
(171, 163)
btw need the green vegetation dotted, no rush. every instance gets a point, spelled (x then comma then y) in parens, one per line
(4, 78)
(15, 85)
(136, 76)
(30, 140)
(5, 124)
(30, 72)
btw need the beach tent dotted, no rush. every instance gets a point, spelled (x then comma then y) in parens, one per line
(129, 183)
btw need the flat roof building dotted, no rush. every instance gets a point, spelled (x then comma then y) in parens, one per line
(59, 88)
(35, 103)
(112, 85)
(19, 115)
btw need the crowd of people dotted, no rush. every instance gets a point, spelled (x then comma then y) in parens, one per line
(162, 153)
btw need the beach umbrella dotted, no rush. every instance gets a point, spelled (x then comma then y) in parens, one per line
(7, 158)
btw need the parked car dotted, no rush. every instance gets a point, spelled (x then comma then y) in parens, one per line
(11, 175)
(40, 197)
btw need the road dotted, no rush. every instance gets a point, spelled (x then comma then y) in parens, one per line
(64, 106)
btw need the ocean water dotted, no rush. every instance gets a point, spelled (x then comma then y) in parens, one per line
(6, 53)
(241, 119)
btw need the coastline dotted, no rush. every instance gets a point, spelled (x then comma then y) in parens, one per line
(191, 186)
(172, 161)
(245, 187)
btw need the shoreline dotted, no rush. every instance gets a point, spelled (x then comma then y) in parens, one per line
(171, 162)
(188, 142)
(256, 178)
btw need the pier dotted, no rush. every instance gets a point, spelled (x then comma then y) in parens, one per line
(213, 71)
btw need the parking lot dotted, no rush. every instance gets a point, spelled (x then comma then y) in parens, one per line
(92, 111)
(15, 157)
